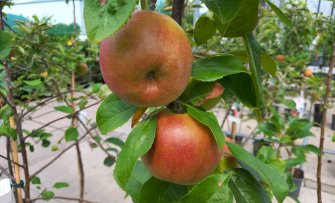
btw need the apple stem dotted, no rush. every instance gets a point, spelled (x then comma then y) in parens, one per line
(176, 106)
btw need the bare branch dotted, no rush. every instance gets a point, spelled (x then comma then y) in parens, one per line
(323, 124)
(61, 118)
(11, 161)
(61, 153)
(65, 198)
(96, 141)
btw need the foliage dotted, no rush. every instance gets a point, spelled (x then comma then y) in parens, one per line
(227, 68)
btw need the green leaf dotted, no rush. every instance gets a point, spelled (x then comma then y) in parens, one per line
(155, 190)
(234, 18)
(45, 143)
(269, 156)
(116, 141)
(204, 30)
(33, 83)
(333, 139)
(268, 174)
(212, 189)
(64, 109)
(243, 88)
(96, 87)
(5, 44)
(308, 148)
(283, 18)
(209, 120)
(246, 188)
(299, 128)
(60, 185)
(137, 144)
(214, 68)
(113, 113)
(139, 176)
(71, 134)
(103, 21)
(8, 131)
(291, 162)
(253, 51)
(47, 195)
(196, 91)
(225, 10)
(54, 148)
(109, 161)
(35, 180)
(268, 64)
(5, 112)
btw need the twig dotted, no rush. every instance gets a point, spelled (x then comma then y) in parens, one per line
(41, 104)
(61, 118)
(7, 174)
(11, 161)
(323, 123)
(226, 116)
(61, 153)
(9, 27)
(64, 198)
(91, 135)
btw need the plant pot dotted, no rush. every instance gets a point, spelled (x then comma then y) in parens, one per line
(298, 177)
(258, 145)
(317, 116)
(333, 122)
(238, 139)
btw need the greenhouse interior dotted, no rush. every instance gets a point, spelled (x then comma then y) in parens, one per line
(167, 101)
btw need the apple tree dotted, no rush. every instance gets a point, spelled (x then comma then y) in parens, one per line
(173, 152)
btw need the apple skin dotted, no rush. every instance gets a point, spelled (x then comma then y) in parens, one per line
(184, 151)
(148, 62)
(280, 57)
(81, 68)
(308, 72)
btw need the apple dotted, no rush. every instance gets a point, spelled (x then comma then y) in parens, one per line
(184, 151)
(308, 72)
(44, 74)
(81, 68)
(148, 62)
(280, 57)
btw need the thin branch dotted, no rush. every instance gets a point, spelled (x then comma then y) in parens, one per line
(61, 153)
(96, 141)
(9, 27)
(65, 198)
(11, 161)
(61, 118)
(41, 104)
(323, 123)
(7, 174)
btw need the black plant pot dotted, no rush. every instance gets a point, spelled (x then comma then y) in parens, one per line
(317, 117)
(298, 177)
(333, 122)
(258, 145)
(238, 139)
